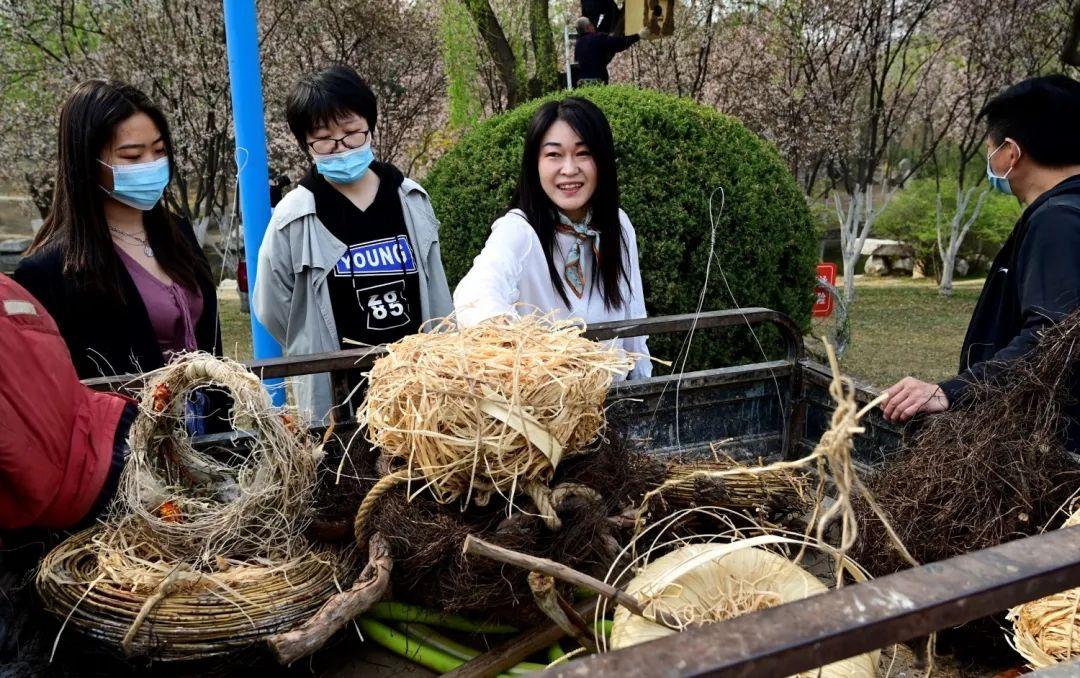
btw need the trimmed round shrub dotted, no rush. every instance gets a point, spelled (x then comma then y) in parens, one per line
(672, 155)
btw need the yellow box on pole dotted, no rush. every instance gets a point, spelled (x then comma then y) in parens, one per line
(656, 15)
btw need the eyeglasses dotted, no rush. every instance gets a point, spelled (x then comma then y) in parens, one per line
(328, 145)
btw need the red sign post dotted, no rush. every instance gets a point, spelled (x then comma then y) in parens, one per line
(823, 305)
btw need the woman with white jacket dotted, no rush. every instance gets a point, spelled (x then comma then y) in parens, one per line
(565, 246)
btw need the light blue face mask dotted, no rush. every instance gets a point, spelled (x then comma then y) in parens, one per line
(140, 185)
(347, 166)
(999, 183)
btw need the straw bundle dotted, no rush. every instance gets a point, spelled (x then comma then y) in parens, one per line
(763, 494)
(1047, 631)
(204, 504)
(490, 409)
(712, 582)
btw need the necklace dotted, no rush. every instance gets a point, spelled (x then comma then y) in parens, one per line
(145, 242)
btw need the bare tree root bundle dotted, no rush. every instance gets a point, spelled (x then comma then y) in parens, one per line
(490, 410)
(136, 602)
(344, 477)
(1047, 631)
(199, 505)
(203, 549)
(426, 537)
(985, 473)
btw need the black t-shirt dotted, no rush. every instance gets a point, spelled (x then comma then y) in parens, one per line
(375, 287)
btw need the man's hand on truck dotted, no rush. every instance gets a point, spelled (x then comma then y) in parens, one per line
(910, 396)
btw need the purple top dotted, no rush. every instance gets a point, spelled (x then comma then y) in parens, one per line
(173, 309)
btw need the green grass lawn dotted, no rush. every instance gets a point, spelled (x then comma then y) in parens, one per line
(235, 327)
(898, 328)
(903, 328)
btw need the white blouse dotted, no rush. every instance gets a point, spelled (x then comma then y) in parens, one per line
(512, 271)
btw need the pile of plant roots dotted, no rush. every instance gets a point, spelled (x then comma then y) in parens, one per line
(992, 469)
(598, 495)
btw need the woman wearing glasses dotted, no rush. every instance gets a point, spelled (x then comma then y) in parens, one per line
(352, 254)
(125, 280)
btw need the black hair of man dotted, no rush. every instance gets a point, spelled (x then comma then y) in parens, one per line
(325, 96)
(1041, 114)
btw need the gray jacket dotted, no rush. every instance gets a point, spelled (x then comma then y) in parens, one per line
(292, 300)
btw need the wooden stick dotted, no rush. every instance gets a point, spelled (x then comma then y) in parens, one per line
(341, 608)
(516, 650)
(476, 546)
(548, 600)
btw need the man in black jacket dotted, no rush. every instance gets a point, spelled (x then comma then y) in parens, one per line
(594, 50)
(1033, 152)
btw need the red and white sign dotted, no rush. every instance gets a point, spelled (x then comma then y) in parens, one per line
(823, 304)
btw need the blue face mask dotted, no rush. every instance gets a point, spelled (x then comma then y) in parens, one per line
(140, 185)
(999, 183)
(347, 166)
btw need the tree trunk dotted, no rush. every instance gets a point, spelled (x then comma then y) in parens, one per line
(40, 186)
(546, 78)
(1070, 54)
(498, 47)
(958, 230)
(948, 265)
(849, 277)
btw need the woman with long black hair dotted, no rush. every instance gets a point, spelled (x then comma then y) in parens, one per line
(124, 279)
(565, 246)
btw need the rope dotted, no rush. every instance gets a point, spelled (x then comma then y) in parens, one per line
(547, 499)
(385, 484)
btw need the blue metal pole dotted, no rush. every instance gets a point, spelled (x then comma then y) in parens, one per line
(245, 77)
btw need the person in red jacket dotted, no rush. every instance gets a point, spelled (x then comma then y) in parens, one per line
(62, 444)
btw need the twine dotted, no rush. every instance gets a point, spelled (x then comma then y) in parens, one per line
(832, 457)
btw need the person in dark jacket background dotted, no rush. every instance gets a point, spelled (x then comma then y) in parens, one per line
(595, 50)
(1033, 152)
(605, 15)
(125, 280)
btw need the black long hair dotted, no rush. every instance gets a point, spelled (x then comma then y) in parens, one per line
(590, 124)
(76, 222)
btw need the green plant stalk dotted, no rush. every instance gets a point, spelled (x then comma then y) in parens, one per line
(555, 652)
(402, 645)
(419, 635)
(433, 638)
(604, 626)
(404, 612)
